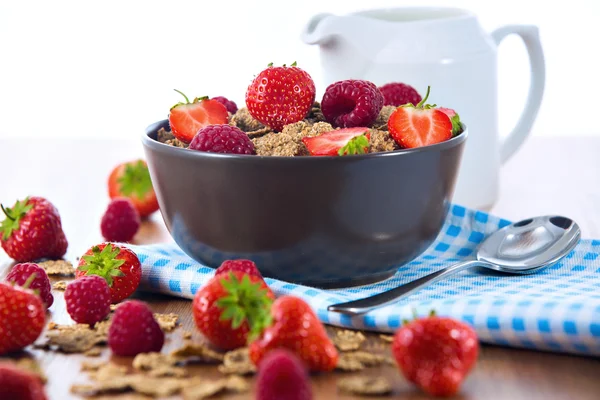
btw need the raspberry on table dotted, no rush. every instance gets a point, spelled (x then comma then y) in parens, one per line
(16, 383)
(88, 299)
(120, 221)
(246, 266)
(222, 139)
(398, 94)
(351, 103)
(20, 273)
(134, 330)
(229, 104)
(283, 376)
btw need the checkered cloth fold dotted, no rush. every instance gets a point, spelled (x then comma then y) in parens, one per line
(557, 309)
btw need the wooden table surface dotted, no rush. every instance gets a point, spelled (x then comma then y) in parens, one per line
(548, 175)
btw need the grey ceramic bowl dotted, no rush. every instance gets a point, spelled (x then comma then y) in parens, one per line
(319, 221)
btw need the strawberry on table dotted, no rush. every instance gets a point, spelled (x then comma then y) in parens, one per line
(339, 142)
(117, 264)
(245, 266)
(296, 327)
(186, 119)
(31, 230)
(280, 95)
(131, 179)
(436, 353)
(22, 317)
(232, 307)
(18, 384)
(421, 125)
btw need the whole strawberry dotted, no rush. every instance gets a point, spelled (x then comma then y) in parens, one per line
(245, 266)
(231, 308)
(88, 299)
(436, 353)
(120, 221)
(282, 376)
(117, 264)
(22, 318)
(131, 179)
(20, 274)
(280, 95)
(134, 330)
(32, 230)
(18, 384)
(296, 327)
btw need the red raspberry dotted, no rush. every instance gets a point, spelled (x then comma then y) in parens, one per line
(120, 221)
(88, 299)
(246, 266)
(134, 330)
(222, 139)
(229, 104)
(21, 272)
(351, 103)
(15, 383)
(282, 376)
(398, 94)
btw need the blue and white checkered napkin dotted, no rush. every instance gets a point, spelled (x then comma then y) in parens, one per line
(557, 309)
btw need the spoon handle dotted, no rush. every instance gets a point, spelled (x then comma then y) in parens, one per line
(369, 303)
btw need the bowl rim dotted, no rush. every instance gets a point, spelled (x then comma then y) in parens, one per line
(149, 142)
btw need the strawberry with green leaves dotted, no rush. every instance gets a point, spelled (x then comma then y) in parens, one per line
(421, 125)
(340, 142)
(232, 308)
(132, 180)
(186, 119)
(31, 230)
(117, 264)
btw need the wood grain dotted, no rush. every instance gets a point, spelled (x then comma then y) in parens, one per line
(543, 177)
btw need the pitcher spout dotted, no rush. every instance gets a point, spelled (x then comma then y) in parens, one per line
(318, 29)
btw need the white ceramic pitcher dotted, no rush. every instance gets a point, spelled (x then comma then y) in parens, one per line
(447, 49)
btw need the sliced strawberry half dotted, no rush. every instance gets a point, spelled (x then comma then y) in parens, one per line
(186, 119)
(339, 142)
(420, 125)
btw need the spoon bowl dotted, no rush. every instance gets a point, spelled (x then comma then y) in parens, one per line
(524, 247)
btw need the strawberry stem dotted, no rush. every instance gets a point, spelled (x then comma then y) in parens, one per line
(420, 105)
(181, 93)
(7, 213)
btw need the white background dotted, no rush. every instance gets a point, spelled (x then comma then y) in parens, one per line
(108, 68)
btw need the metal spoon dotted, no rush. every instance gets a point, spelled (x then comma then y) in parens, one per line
(524, 247)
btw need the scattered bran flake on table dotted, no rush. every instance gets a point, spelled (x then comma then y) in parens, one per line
(199, 350)
(60, 286)
(359, 360)
(159, 365)
(167, 322)
(58, 267)
(201, 389)
(347, 340)
(186, 334)
(77, 338)
(237, 362)
(365, 385)
(387, 338)
(93, 352)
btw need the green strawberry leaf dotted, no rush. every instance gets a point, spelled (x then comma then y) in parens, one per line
(13, 217)
(245, 301)
(357, 145)
(421, 104)
(103, 263)
(456, 125)
(135, 180)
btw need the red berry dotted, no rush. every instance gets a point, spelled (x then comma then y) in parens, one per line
(420, 125)
(120, 221)
(20, 273)
(222, 139)
(282, 376)
(229, 104)
(244, 266)
(338, 142)
(186, 119)
(134, 330)
(117, 264)
(32, 230)
(231, 307)
(131, 179)
(398, 94)
(22, 318)
(351, 103)
(18, 384)
(436, 353)
(280, 95)
(88, 299)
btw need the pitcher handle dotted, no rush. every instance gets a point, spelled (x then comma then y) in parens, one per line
(530, 36)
